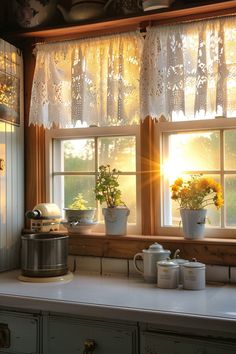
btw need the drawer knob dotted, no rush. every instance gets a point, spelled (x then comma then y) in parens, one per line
(4, 336)
(89, 346)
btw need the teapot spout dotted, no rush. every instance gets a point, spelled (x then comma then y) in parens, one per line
(64, 13)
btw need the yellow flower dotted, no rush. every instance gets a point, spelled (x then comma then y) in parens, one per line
(179, 182)
(174, 188)
(197, 192)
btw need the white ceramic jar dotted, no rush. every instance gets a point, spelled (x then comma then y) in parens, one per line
(167, 274)
(194, 275)
(180, 262)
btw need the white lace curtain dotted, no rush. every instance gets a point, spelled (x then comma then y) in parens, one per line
(87, 82)
(189, 71)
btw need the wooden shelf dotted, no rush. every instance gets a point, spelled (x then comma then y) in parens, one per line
(171, 15)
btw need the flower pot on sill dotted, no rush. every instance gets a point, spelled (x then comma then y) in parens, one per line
(116, 220)
(193, 223)
(81, 215)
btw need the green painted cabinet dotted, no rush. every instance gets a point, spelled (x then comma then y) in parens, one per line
(158, 343)
(83, 336)
(19, 333)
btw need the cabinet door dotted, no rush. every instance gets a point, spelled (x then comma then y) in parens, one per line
(19, 333)
(76, 336)
(154, 343)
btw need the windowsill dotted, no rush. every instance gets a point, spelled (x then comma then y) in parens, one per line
(145, 238)
(208, 250)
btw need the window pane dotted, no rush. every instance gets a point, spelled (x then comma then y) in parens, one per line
(76, 155)
(66, 188)
(119, 152)
(230, 149)
(230, 200)
(192, 152)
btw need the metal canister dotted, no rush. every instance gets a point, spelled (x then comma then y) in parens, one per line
(167, 274)
(194, 276)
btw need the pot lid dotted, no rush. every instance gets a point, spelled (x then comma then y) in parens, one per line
(168, 263)
(180, 261)
(155, 248)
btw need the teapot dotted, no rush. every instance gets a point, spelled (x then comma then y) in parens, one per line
(151, 256)
(83, 10)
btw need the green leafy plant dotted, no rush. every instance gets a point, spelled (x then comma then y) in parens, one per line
(107, 187)
(79, 202)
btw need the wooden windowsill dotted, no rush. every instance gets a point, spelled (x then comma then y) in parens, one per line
(208, 250)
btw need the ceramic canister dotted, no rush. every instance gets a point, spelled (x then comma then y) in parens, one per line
(167, 274)
(180, 262)
(194, 276)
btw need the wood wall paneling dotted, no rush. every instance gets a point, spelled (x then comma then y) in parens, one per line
(208, 251)
(11, 180)
(34, 140)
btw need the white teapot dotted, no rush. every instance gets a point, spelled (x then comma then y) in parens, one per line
(151, 256)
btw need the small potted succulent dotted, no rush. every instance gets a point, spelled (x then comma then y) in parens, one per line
(107, 191)
(78, 211)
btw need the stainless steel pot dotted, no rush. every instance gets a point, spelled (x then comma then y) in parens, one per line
(44, 255)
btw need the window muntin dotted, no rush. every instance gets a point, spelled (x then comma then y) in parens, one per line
(191, 148)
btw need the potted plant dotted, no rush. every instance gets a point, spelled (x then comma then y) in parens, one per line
(107, 191)
(193, 196)
(78, 211)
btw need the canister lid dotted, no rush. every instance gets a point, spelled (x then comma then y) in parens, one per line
(168, 263)
(180, 261)
(194, 264)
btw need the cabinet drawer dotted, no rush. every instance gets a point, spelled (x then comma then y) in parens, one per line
(71, 335)
(23, 332)
(154, 343)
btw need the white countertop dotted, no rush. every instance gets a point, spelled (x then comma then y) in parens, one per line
(124, 299)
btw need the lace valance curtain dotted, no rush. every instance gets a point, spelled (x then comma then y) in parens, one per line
(87, 82)
(189, 71)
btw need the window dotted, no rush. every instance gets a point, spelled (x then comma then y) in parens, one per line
(76, 154)
(199, 148)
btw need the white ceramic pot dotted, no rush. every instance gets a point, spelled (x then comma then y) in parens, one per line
(33, 13)
(194, 276)
(79, 215)
(193, 222)
(116, 220)
(167, 274)
(150, 257)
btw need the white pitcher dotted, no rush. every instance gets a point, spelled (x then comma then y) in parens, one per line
(151, 256)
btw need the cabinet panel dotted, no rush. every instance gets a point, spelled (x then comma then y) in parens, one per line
(154, 343)
(69, 335)
(23, 332)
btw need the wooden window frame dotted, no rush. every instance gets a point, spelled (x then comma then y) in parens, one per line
(92, 132)
(209, 251)
(188, 126)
